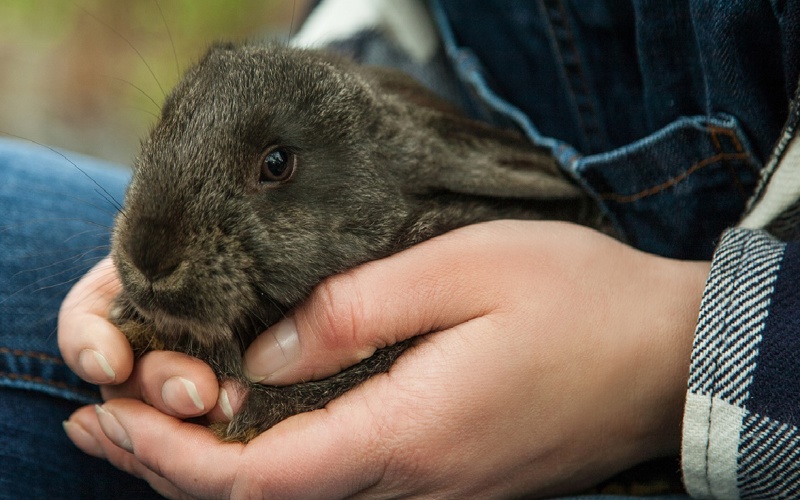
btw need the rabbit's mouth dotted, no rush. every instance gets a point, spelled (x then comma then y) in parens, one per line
(177, 319)
(186, 315)
(172, 327)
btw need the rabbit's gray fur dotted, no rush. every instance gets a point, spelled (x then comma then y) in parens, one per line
(209, 256)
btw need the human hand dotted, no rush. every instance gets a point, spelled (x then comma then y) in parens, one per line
(560, 357)
(98, 352)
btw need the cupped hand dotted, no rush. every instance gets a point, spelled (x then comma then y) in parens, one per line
(98, 352)
(552, 358)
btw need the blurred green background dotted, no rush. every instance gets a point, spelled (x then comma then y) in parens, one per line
(71, 77)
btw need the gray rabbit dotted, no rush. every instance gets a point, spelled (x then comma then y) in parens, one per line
(272, 168)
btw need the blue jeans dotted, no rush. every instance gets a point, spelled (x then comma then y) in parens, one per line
(54, 225)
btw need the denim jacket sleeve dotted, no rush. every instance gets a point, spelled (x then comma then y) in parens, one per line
(741, 434)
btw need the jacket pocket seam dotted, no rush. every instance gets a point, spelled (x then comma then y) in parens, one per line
(719, 157)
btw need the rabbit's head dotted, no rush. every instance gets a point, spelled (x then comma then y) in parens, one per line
(271, 168)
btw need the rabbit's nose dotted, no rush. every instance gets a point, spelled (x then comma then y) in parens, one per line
(152, 247)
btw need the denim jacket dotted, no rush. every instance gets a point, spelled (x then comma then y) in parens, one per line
(664, 111)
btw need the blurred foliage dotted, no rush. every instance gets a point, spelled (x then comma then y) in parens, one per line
(89, 75)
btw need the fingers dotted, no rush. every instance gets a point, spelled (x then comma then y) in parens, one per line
(186, 460)
(91, 346)
(84, 429)
(98, 352)
(175, 383)
(349, 316)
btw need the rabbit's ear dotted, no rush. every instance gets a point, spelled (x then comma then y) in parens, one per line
(472, 157)
(479, 159)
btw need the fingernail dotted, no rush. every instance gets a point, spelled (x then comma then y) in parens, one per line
(113, 429)
(225, 404)
(95, 367)
(181, 396)
(83, 439)
(273, 350)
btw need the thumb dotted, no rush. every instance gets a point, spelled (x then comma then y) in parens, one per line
(351, 315)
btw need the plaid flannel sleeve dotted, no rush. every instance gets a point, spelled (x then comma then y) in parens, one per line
(741, 436)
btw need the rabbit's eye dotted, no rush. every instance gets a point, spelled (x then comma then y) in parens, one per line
(278, 166)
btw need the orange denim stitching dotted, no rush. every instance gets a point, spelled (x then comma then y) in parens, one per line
(740, 155)
(675, 180)
(32, 354)
(41, 380)
(715, 131)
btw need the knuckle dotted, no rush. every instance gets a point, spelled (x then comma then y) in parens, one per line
(337, 312)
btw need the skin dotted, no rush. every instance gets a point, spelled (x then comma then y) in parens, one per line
(560, 357)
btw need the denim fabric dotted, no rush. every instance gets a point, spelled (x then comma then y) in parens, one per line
(54, 226)
(663, 110)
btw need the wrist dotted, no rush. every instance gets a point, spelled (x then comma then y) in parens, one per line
(665, 347)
